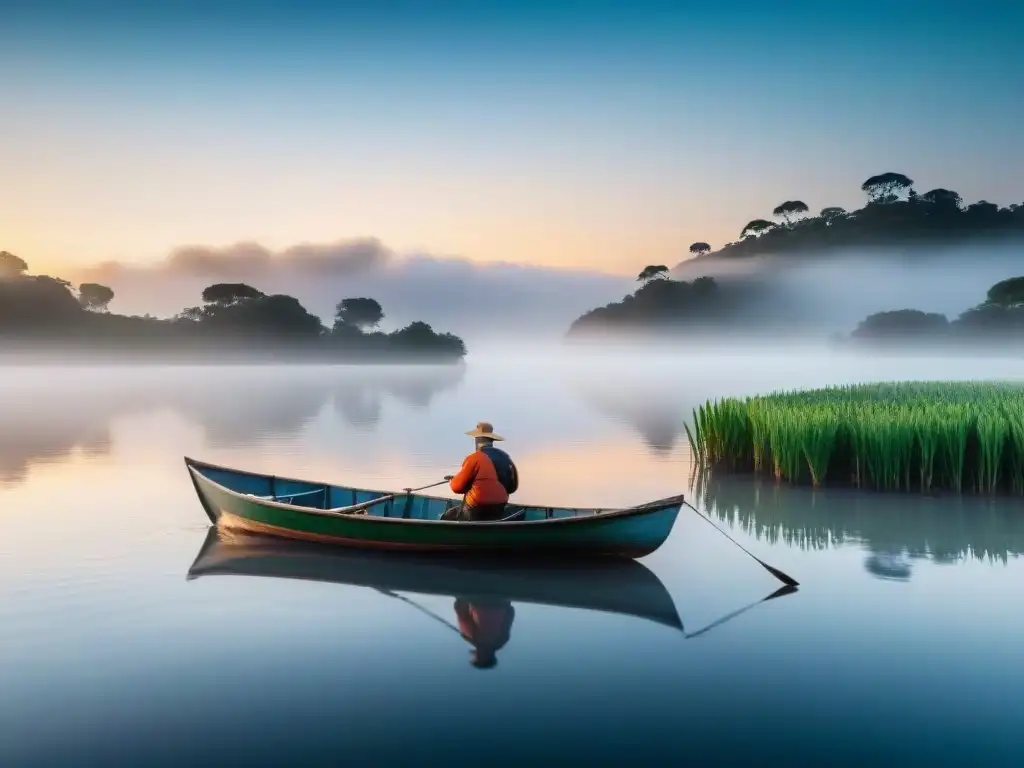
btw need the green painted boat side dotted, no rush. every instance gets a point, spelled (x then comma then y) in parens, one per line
(409, 521)
(624, 587)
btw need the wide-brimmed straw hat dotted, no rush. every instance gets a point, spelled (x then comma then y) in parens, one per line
(484, 429)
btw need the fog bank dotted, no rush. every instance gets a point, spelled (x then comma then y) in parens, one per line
(814, 295)
(831, 292)
(474, 301)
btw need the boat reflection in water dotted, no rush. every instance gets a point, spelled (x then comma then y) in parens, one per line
(484, 589)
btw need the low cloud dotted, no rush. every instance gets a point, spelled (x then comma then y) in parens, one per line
(452, 294)
(254, 260)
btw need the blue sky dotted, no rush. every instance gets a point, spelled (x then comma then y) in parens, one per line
(594, 135)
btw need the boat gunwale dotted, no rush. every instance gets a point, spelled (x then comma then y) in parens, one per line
(194, 466)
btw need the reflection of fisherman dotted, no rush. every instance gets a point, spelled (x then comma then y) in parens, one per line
(486, 624)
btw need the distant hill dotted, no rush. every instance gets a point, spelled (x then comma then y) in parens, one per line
(895, 215)
(821, 275)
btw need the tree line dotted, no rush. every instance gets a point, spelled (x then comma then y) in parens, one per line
(41, 308)
(664, 304)
(999, 317)
(894, 214)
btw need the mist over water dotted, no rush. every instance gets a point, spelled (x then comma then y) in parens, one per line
(101, 632)
(832, 292)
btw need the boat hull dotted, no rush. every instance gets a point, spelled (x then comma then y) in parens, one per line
(409, 522)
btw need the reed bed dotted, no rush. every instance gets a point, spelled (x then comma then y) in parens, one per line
(962, 437)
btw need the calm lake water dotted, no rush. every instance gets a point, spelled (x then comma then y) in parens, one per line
(903, 644)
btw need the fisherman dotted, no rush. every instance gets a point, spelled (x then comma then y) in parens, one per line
(487, 478)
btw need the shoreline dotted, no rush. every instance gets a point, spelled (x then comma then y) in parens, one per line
(679, 342)
(67, 356)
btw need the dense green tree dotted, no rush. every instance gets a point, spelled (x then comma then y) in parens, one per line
(699, 249)
(704, 286)
(191, 314)
(658, 303)
(225, 294)
(1007, 293)
(94, 296)
(11, 265)
(362, 313)
(790, 210)
(418, 337)
(983, 215)
(832, 214)
(900, 324)
(275, 315)
(943, 198)
(653, 272)
(756, 227)
(36, 302)
(989, 320)
(886, 187)
(283, 315)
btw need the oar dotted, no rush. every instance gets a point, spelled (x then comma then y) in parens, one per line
(784, 578)
(424, 487)
(362, 506)
(380, 500)
(786, 590)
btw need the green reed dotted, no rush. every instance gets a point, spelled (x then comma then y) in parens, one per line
(903, 436)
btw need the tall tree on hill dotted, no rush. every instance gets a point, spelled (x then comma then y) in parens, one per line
(226, 294)
(886, 187)
(1008, 294)
(95, 297)
(11, 266)
(361, 313)
(653, 272)
(832, 214)
(943, 198)
(789, 210)
(699, 249)
(756, 227)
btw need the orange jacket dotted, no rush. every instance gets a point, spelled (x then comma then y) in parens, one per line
(479, 479)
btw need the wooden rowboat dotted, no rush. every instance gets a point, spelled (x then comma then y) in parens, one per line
(623, 587)
(356, 517)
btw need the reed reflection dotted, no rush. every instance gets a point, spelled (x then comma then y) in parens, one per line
(896, 529)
